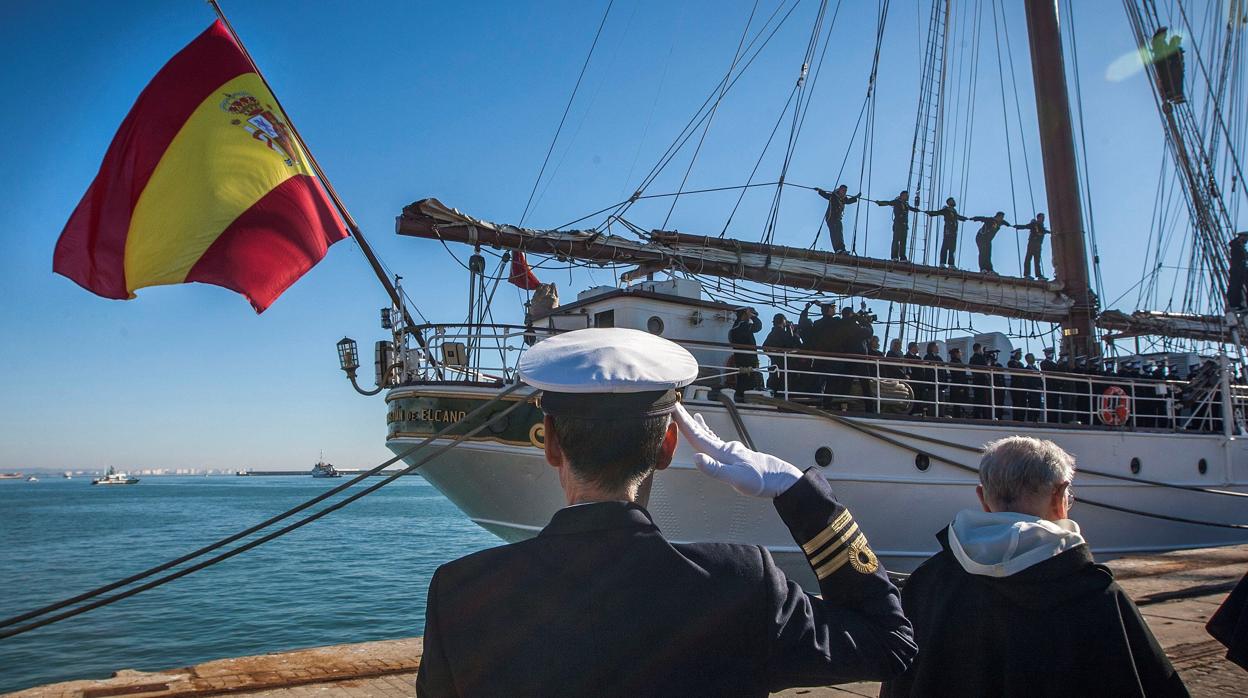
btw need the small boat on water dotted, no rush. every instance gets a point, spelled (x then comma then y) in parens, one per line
(112, 477)
(10, 476)
(32, 478)
(323, 469)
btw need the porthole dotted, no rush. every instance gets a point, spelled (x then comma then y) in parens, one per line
(823, 456)
(922, 462)
(1203, 466)
(654, 325)
(499, 425)
(1135, 466)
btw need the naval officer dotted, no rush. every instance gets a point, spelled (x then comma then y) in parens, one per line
(600, 603)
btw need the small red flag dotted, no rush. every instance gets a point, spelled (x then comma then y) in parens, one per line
(521, 274)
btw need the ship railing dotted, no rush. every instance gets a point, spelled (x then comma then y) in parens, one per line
(488, 355)
(882, 385)
(468, 353)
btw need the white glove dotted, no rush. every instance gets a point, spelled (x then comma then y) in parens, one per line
(749, 472)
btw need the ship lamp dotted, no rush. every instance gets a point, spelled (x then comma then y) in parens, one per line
(348, 355)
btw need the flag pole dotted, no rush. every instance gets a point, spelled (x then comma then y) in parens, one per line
(352, 227)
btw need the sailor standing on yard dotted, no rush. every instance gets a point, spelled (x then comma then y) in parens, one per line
(601, 604)
(901, 223)
(949, 242)
(1035, 242)
(983, 239)
(837, 200)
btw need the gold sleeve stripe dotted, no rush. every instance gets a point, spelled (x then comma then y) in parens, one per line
(826, 534)
(835, 545)
(837, 562)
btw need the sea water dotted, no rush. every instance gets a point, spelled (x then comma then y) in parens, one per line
(360, 573)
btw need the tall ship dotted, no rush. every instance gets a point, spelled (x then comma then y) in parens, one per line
(1150, 401)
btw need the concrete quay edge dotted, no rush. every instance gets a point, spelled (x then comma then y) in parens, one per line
(1177, 592)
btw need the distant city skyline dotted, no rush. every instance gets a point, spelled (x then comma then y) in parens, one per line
(401, 102)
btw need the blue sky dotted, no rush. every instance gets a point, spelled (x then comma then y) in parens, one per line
(400, 101)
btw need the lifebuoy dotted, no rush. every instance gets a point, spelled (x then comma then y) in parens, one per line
(1115, 406)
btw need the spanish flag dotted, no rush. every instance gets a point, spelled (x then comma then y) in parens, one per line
(204, 181)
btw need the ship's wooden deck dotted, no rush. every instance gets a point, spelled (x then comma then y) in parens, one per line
(1177, 592)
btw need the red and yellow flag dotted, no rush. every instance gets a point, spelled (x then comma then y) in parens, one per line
(205, 182)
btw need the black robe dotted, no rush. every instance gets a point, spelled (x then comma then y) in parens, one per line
(1062, 627)
(1230, 624)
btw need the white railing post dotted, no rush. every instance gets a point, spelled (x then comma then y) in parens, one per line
(784, 377)
(879, 403)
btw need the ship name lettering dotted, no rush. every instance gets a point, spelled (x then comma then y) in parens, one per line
(431, 415)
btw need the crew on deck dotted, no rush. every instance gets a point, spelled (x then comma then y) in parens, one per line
(842, 376)
(741, 336)
(783, 335)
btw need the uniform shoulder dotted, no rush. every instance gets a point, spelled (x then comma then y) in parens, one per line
(742, 561)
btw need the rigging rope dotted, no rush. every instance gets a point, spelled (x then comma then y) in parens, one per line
(866, 164)
(566, 109)
(736, 56)
(799, 111)
(1086, 178)
(698, 117)
(1005, 115)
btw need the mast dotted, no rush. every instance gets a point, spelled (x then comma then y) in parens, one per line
(1061, 178)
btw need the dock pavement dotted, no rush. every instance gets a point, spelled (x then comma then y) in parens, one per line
(1176, 592)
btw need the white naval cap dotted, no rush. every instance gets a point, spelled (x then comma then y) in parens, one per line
(627, 372)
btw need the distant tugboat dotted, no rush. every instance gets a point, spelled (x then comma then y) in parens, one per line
(112, 477)
(323, 469)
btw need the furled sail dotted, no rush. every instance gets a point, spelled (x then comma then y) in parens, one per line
(1209, 328)
(769, 264)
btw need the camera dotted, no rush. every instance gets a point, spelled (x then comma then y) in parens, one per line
(864, 316)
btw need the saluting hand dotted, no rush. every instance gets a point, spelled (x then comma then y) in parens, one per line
(749, 472)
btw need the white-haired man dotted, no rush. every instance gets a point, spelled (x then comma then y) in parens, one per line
(1013, 604)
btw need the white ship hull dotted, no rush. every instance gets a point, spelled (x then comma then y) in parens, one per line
(508, 489)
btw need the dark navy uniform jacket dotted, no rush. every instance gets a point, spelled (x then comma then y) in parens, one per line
(600, 604)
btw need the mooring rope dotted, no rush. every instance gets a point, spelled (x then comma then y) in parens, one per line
(457, 439)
